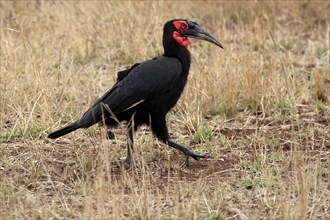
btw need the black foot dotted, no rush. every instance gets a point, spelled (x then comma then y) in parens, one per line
(185, 150)
(124, 162)
(128, 163)
(195, 156)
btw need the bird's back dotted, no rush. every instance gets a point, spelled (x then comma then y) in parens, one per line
(151, 86)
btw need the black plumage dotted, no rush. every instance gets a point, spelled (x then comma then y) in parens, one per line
(144, 93)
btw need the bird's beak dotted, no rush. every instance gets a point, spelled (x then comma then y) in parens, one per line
(199, 33)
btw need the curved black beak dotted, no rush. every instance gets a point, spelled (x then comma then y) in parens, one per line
(194, 31)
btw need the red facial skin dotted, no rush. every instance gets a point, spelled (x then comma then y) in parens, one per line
(180, 26)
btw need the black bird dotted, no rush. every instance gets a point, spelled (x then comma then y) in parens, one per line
(144, 93)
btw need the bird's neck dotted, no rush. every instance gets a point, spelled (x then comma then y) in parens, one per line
(173, 49)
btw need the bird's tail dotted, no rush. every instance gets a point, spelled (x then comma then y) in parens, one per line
(67, 129)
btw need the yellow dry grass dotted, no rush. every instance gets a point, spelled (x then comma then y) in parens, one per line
(260, 108)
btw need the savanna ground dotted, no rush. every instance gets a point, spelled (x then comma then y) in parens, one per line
(260, 108)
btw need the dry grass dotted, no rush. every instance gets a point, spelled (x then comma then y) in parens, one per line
(260, 108)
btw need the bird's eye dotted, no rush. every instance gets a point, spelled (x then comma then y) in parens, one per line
(180, 25)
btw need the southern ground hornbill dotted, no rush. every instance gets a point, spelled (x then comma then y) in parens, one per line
(144, 93)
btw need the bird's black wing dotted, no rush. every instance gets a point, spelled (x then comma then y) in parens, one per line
(146, 81)
(121, 74)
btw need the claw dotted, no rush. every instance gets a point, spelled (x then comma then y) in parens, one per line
(197, 156)
(193, 155)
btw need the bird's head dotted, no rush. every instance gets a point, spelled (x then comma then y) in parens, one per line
(182, 29)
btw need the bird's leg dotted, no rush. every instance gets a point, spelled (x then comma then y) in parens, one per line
(130, 143)
(160, 129)
(185, 150)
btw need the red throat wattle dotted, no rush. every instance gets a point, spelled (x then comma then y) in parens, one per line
(181, 40)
